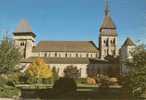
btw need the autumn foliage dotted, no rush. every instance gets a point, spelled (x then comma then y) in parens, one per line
(39, 69)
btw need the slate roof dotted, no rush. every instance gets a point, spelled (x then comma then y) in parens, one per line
(65, 46)
(59, 60)
(128, 42)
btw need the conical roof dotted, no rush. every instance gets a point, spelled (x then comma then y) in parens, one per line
(128, 42)
(108, 23)
(23, 27)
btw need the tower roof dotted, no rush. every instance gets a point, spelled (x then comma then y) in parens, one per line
(23, 27)
(107, 23)
(128, 42)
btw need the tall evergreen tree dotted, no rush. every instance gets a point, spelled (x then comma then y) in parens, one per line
(9, 56)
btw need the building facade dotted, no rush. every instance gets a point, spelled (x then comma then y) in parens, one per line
(126, 54)
(84, 55)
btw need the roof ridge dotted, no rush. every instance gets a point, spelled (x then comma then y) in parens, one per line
(85, 46)
(128, 42)
(64, 41)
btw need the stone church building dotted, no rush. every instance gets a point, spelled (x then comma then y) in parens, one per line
(84, 55)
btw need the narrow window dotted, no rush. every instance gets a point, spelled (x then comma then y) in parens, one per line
(87, 55)
(65, 54)
(45, 54)
(114, 41)
(107, 42)
(104, 41)
(22, 44)
(76, 55)
(111, 42)
(55, 54)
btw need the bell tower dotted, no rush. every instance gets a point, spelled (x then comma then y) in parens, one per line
(24, 39)
(108, 35)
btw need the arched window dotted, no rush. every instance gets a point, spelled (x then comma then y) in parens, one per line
(114, 41)
(22, 44)
(104, 41)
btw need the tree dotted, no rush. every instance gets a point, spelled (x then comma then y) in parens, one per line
(9, 57)
(136, 78)
(39, 70)
(71, 72)
(112, 59)
(64, 84)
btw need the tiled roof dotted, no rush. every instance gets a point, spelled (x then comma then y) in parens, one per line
(23, 27)
(108, 23)
(66, 46)
(56, 60)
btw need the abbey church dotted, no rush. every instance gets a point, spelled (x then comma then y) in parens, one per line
(84, 55)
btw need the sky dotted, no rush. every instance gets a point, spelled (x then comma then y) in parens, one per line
(77, 20)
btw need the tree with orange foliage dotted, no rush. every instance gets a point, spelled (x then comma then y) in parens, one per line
(39, 70)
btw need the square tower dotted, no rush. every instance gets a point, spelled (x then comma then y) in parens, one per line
(24, 38)
(108, 36)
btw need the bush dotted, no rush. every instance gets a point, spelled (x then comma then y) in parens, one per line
(7, 88)
(72, 72)
(38, 71)
(8, 91)
(104, 80)
(91, 81)
(81, 81)
(65, 85)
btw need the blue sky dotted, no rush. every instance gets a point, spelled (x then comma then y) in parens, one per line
(74, 19)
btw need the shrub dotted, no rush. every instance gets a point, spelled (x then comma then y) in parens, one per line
(7, 88)
(104, 80)
(81, 81)
(71, 72)
(65, 84)
(38, 71)
(91, 81)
